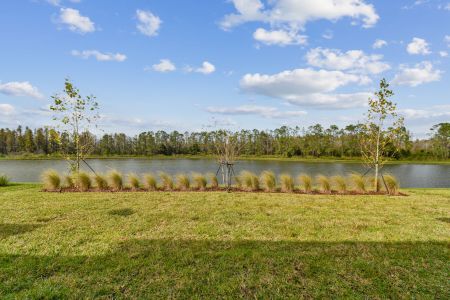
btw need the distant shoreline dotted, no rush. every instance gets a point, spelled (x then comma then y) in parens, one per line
(244, 157)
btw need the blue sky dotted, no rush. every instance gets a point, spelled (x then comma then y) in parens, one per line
(201, 64)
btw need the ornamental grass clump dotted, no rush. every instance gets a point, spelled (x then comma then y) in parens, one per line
(249, 180)
(245, 179)
(340, 183)
(166, 181)
(305, 182)
(115, 180)
(101, 182)
(51, 180)
(4, 180)
(359, 182)
(324, 183)
(255, 182)
(200, 181)
(269, 181)
(213, 180)
(183, 182)
(69, 182)
(150, 182)
(287, 183)
(134, 181)
(392, 184)
(238, 181)
(83, 181)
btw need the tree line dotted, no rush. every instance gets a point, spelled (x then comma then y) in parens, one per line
(313, 141)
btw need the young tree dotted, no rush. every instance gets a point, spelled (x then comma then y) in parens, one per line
(227, 146)
(441, 140)
(383, 126)
(76, 114)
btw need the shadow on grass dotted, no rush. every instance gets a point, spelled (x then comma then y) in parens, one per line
(228, 269)
(124, 212)
(445, 220)
(7, 230)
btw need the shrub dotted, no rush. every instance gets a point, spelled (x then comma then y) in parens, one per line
(69, 182)
(305, 182)
(249, 181)
(340, 183)
(4, 180)
(200, 181)
(150, 182)
(359, 182)
(324, 183)
(213, 180)
(245, 178)
(51, 180)
(166, 180)
(115, 180)
(101, 182)
(84, 181)
(183, 182)
(133, 179)
(255, 182)
(287, 183)
(269, 181)
(238, 181)
(392, 184)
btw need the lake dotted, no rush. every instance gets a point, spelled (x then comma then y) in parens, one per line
(409, 175)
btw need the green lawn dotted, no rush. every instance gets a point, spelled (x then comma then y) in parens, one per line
(220, 245)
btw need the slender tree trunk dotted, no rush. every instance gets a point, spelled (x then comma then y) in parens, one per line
(77, 145)
(377, 162)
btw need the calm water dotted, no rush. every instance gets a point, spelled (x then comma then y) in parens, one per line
(410, 175)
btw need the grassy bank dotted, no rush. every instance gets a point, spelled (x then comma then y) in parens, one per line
(242, 157)
(220, 245)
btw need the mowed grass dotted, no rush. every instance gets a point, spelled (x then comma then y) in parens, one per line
(223, 245)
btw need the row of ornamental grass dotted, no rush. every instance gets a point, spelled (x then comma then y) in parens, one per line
(247, 181)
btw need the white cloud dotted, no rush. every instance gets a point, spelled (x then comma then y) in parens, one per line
(219, 122)
(165, 65)
(296, 13)
(445, 6)
(331, 101)
(133, 123)
(206, 68)
(418, 46)
(58, 2)
(75, 21)
(18, 89)
(415, 3)
(279, 37)
(421, 73)
(99, 55)
(447, 40)
(263, 111)
(434, 112)
(148, 23)
(307, 87)
(54, 2)
(354, 60)
(443, 53)
(379, 44)
(6, 109)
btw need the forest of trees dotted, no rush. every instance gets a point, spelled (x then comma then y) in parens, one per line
(314, 141)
